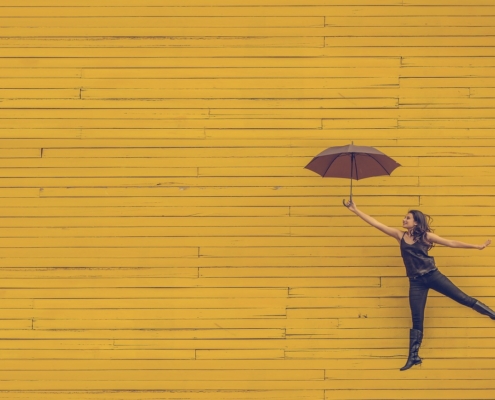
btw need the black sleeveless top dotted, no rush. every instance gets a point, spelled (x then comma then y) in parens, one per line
(416, 258)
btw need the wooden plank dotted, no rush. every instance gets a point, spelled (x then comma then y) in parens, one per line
(390, 265)
(325, 272)
(419, 41)
(193, 181)
(299, 147)
(465, 281)
(153, 244)
(405, 323)
(184, 272)
(314, 292)
(114, 134)
(177, 375)
(147, 212)
(445, 103)
(119, 28)
(189, 33)
(170, 124)
(99, 172)
(381, 9)
(135, 77)
(64, 74)
(178, 41)
(363, 312)
(146, 303)
(99, 354)
(443, 124)
(434, 364)
(213, 386)
(338, 88)
(239, 354)
(16, 323)
(447, 61)
(115, 252)
(147, 232)
(130, 293)
(371, 197)
(181, 103)
(22, 93)
(455, 394)
(199, 282)
(169, 22)
(199, 4)
(247, 386)
(425, 82)
(172, 394)
(136, 319)
(481, 92)
(411, 21)
(267, 325)
(155, 55)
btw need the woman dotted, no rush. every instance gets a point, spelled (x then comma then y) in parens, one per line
(422, 271)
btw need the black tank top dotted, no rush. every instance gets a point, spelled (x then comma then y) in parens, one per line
(416, 258)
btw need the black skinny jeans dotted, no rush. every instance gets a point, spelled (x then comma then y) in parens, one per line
(418, 292)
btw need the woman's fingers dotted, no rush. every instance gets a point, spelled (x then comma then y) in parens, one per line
(487, 243)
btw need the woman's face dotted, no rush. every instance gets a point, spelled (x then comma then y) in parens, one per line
(408, 221)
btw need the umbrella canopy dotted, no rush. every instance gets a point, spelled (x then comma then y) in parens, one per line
(353, 162)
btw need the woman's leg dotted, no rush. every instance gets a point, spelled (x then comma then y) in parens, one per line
(439, 282)
(418, 293)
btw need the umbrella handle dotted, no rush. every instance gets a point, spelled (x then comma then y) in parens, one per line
(344, 203)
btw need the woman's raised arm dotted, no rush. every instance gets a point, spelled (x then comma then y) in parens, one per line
(395, 233)
(455, 243)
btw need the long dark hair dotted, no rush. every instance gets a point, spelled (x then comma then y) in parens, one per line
(420, 231)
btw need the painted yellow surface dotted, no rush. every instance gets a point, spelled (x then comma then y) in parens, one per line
(160, 238)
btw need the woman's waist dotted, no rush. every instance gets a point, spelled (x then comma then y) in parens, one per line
(423, 274)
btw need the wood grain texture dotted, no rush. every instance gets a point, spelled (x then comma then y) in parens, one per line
(160, 237)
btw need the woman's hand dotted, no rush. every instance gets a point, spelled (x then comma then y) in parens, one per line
(487, 243)
(350, 205)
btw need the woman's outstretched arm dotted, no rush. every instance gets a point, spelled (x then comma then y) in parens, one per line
(395, 233)
(455, 243)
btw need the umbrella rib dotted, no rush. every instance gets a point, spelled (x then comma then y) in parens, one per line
(355, 167)
(379, 163)
(340, 155)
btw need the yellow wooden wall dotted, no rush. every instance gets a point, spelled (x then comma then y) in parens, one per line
(160, 238)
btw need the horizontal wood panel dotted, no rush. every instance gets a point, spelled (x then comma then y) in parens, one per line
(64, 393)
(218, 22)
(153, 27)
(179, 375)
(149, 21)
(154, 56)
(376, 9)
(133, 385)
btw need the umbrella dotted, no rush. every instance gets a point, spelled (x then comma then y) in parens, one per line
(354, 162)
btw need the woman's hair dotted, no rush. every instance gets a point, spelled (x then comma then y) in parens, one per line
(423, 222)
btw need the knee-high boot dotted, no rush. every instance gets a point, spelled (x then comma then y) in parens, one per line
(415, 339)
(484, 309)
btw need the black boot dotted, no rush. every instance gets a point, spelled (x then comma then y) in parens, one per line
(484, 309)
(415, 338)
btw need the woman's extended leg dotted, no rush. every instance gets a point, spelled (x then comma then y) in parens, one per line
(443, 285)
(418, 293)
(439, 282)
